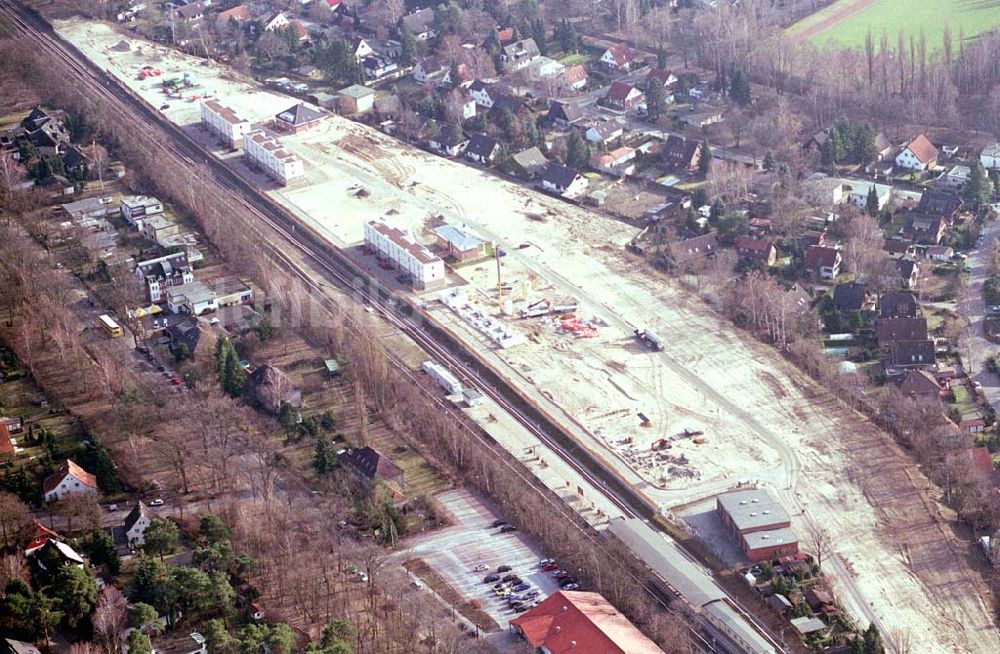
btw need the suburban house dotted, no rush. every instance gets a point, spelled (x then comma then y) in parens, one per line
(576, 621)
(693, 249)
(449, 140)
(378, 67)
(883, 146)
(919, 154)
(574, 78)
(59, 550)
(945, 204)
(990, 156)
(909, 272)
(190, 334)
(239, 13)
(297, 119)
(371, 465)
(507, 103)
(939, 253)
(601, 131)
(563, 114)
(135, 525)
(682, 154)
(660, 76)
(355, 99)
(460, 243)
(923, 228)
(67, 480)
(907, 355)
(619, 162)
(163, 272)
(563, 181)
(157, 228)
(483, 93)
(519, 54)
(858, 193)
(264, 152)
(618, 57)
(897, 304)
(270, 388)
(482, 149)
(954, 179)
(193, 298)
(623, 96)
(920, 384)
(756, 250)
(420, 24)
(529, 163)
(276, 21)
(40, 535)
(136, 207)
(823, 261)
(853, 297)
(12, 646)
(361, 49)
(891, 330)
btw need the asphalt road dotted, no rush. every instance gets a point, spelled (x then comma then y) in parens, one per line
(973, 345)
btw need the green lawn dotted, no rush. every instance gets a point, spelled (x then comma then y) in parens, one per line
(971, 16)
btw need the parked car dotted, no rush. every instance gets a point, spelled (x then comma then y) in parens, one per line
(510, 577)
(112, 507)
(549, 567)
(504, 568)
(498, 523)
(521, 608)
(521, 587)
(156, 502)
(490, 578)
(567, 581)
(546, 562)
(506, 529)
(482, 567)
(571, 586)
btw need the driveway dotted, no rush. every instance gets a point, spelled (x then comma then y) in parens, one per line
(973, 344)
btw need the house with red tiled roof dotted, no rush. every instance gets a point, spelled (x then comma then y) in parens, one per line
(919, 154)
(623, 96)
(575, 77)
(40, 535)
(618, 57)
(823, 261)
(572, 621)
(6, 444)
(757, 249)
(239, 13)
(68, 480)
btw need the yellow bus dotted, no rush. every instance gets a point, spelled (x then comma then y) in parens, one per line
(113, 329)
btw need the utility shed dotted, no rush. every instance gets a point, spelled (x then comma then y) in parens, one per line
(332, 367)
(808, 625)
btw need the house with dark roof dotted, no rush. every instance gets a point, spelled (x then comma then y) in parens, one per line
(164, 272)
(507, 103)
(909, 271)
(519, 54)
(484, 93)
(693, 249)
(69, 479)
(754, 250)
(133, 529)
(907, 355)
(271, 388)
(378, 67)
(941, 203)
(420, 24)
(919, 154)
(563, 114)
(681, 154)
(529, 164)
(75, 162)
(371, 465)
(853, 297)
(449, 140)
(920, 384)
(563, 181)
(923, 228)
(898, 304)
(600, 131)
(660, 76)
(939, 252)
(19, 647)
(193, 335)
(890, 330)
(482, 149)
(623, 96)
(298, 118)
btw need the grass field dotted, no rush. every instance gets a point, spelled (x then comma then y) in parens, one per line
(845, 23)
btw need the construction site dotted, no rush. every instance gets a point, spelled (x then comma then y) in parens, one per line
(640, 371)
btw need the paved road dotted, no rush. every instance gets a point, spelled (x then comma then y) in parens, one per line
(973, 345)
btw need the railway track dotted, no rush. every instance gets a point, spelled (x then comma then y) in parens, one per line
(334, 266)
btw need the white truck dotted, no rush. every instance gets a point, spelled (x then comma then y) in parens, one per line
(649, 338)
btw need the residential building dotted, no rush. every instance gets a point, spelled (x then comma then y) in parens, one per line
(484, 94)
(191, 335)
(504, 103)
(371, 465)
(59, 550)
(618, 58)
(378, 67)
(224, 123)
(883, 146)
(703, 119)
(758, 523)
(69, 479)
(19, 647)
(909, 272)
(563, 114)
(953, 179)
(577, 621)
(574, 78)
(858, 192)
(940, 253)
(194, 298)
(239, 13)
(460, 243)
(163, 272)
(853, 297)
(682, 154)
(89, 209)
(601, 131)
(945, 204)
(136, 523)
(157, 228)
(900, 328)
(421, 24)
(482, 149)
(923, 228)
(135, 208)
(619, 162)
(563, 181)
(823, 261)
(276, 21)
(449, 140)
(916, 355)
(689, 250)
(990, 156)
(757, 250)
(919, 154)
(898, 304)
(623, 96)
(270, 388)
(920, 384)
(263, 151)
(298, 118)
(230, 291)
(355, 99)
(529, 163)
(660, 76)
(519, 54)
(423, 267)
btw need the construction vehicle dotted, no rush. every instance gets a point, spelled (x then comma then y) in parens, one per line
(536, 309)
(149, 71)
(650, 338)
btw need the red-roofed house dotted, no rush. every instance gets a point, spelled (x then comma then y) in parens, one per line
(571, 622)
(239, 13)
(575, 77)
(757, 249)
(67, 480)
(618, 57)
(823, 261)
(919, 154)
(6, 445)
(39, 536)
(623, 96)
(660, 76)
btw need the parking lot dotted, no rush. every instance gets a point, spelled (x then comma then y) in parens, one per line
(456, 552)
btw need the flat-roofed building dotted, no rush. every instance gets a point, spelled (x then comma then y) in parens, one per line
(224, 123)
(460, 243)
(232, 290)
(424, 268)
(265, 152)
(195, 298)
(758, 523)
(137, 207)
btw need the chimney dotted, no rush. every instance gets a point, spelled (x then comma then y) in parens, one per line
(558, 629)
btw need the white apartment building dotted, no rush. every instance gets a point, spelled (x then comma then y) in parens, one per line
(137, 207)
(266, 152)
(224, 123)
(425, 269)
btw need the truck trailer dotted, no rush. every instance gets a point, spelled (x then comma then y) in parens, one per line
(650, 338)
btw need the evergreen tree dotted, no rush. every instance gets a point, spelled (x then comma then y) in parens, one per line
(102, 550)
(76, 591)
(138, 643)
(705, 160)
(161, 536)
(828, 151)
(739, 87)
(407, 47)
(661, 57)
(871, 203)
(863, 145)
(656, 101)
(454, 75)
(976, 191)
(577, 151)
(538, 33)
(872, 641)
(324, 456)
(567, 37)
(768, 161)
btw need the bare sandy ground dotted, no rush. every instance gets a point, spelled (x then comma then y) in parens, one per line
(896, 558)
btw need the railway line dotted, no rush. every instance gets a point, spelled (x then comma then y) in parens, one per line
(335, 267)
